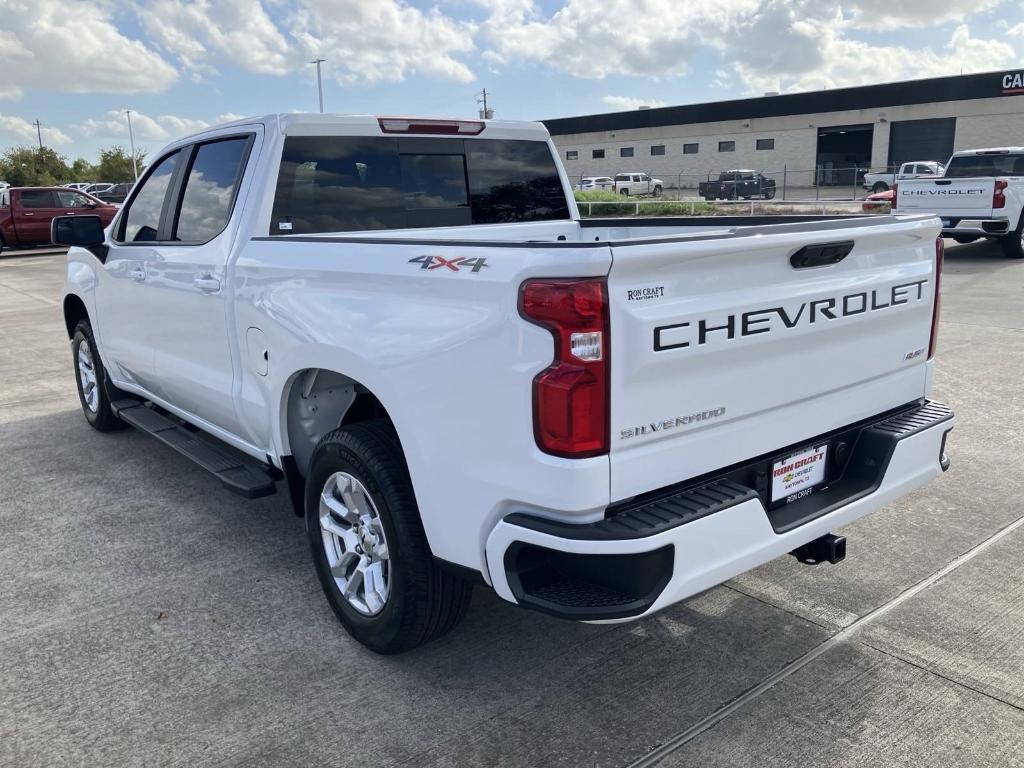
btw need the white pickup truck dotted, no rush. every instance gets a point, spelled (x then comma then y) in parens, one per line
(458, 381)
(879, 181)
(980, 195)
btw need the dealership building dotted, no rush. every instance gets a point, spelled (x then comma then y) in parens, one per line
(821, 135)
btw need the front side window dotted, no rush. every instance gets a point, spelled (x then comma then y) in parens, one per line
(142, 219)
(73, 200)
(210, 190)
(347, 184)
(37, 198)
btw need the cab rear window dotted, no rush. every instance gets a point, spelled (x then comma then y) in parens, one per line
(965, 166)
(351, 183)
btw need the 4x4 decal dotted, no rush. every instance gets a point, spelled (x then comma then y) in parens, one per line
(436, 262)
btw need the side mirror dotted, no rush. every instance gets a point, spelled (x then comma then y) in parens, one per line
(80, 231)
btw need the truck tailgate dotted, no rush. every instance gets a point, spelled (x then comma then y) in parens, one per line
(723, 349)
(948, 198)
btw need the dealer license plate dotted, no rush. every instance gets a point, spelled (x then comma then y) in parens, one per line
(796, 476)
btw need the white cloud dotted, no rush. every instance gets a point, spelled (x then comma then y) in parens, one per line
(624, 103)
(839, 62)
(22, 129)
(198, 31)
(72, 46)
(114, 124)
(368, 41)
(893, 14)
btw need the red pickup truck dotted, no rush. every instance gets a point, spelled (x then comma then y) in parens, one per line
(26, 212)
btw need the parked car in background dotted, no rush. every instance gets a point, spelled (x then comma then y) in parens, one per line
(79, 185)
(879, 182)
(732, 185)
(589, 183)
(980, 195)
(638, 184)
(4, 185)
(98, 186)
(116, 193)
(26, 212)
(879, 202)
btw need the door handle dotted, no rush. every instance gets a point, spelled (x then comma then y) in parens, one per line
(138, 274)
(27, 213)
(207, 283)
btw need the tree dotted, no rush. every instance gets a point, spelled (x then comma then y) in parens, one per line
(28, 167)
(115, 164)
(83, 170)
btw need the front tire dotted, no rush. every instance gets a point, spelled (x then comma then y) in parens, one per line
(369, 549)
(94, 388)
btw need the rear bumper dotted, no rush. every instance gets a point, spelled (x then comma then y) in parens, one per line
(678, 542)
(975, 227)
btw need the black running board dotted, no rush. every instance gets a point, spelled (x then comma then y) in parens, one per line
(240, 475)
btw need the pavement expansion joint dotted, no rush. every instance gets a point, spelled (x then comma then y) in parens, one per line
(671, 745)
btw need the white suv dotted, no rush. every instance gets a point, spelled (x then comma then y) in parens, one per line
(638, 184)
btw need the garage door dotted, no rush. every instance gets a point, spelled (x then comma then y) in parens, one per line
(921, 140)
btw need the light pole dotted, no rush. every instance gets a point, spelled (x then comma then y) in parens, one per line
(131, 139)
(39, 133)
(319, 82)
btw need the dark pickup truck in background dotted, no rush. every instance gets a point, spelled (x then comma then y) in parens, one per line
(732, 185)
(26, 212)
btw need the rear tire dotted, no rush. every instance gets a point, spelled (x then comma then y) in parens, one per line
(418, 601)
(1013, 245)
(880, 186)
(95, 391)
(657, 191)
(624, 193)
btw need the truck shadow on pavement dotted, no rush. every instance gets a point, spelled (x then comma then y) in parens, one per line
(140, 591)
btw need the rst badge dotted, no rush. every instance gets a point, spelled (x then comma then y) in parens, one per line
(455, 265)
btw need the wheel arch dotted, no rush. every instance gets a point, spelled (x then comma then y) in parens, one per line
(74, 312)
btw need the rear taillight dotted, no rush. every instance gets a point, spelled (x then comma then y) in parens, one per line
(940, 249)
(999, 194)
(895, 194)
(571, 396)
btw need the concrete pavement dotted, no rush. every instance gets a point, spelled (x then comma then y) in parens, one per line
(148, 617)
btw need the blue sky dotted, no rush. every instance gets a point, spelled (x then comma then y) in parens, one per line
(184, 64)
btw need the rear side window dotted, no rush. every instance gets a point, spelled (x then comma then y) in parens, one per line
(210, 189)
(142, 219)
(346, 184)
(37, 198)
(965, 166)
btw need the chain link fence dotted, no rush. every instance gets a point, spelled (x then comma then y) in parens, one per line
(824, 182)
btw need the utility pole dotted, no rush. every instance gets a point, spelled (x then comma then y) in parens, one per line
(131, 139)
(485, 113)
(319, 82)
(39, 133)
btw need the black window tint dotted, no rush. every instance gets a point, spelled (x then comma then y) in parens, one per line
(343, 184)
(766, 143)
(142, 219)
(625, 152)
(727, 146)
(598, 154)
(37, 198)
(690, 149)
(210, 190)
(966, 166)
(512, 181)
(658, 149)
